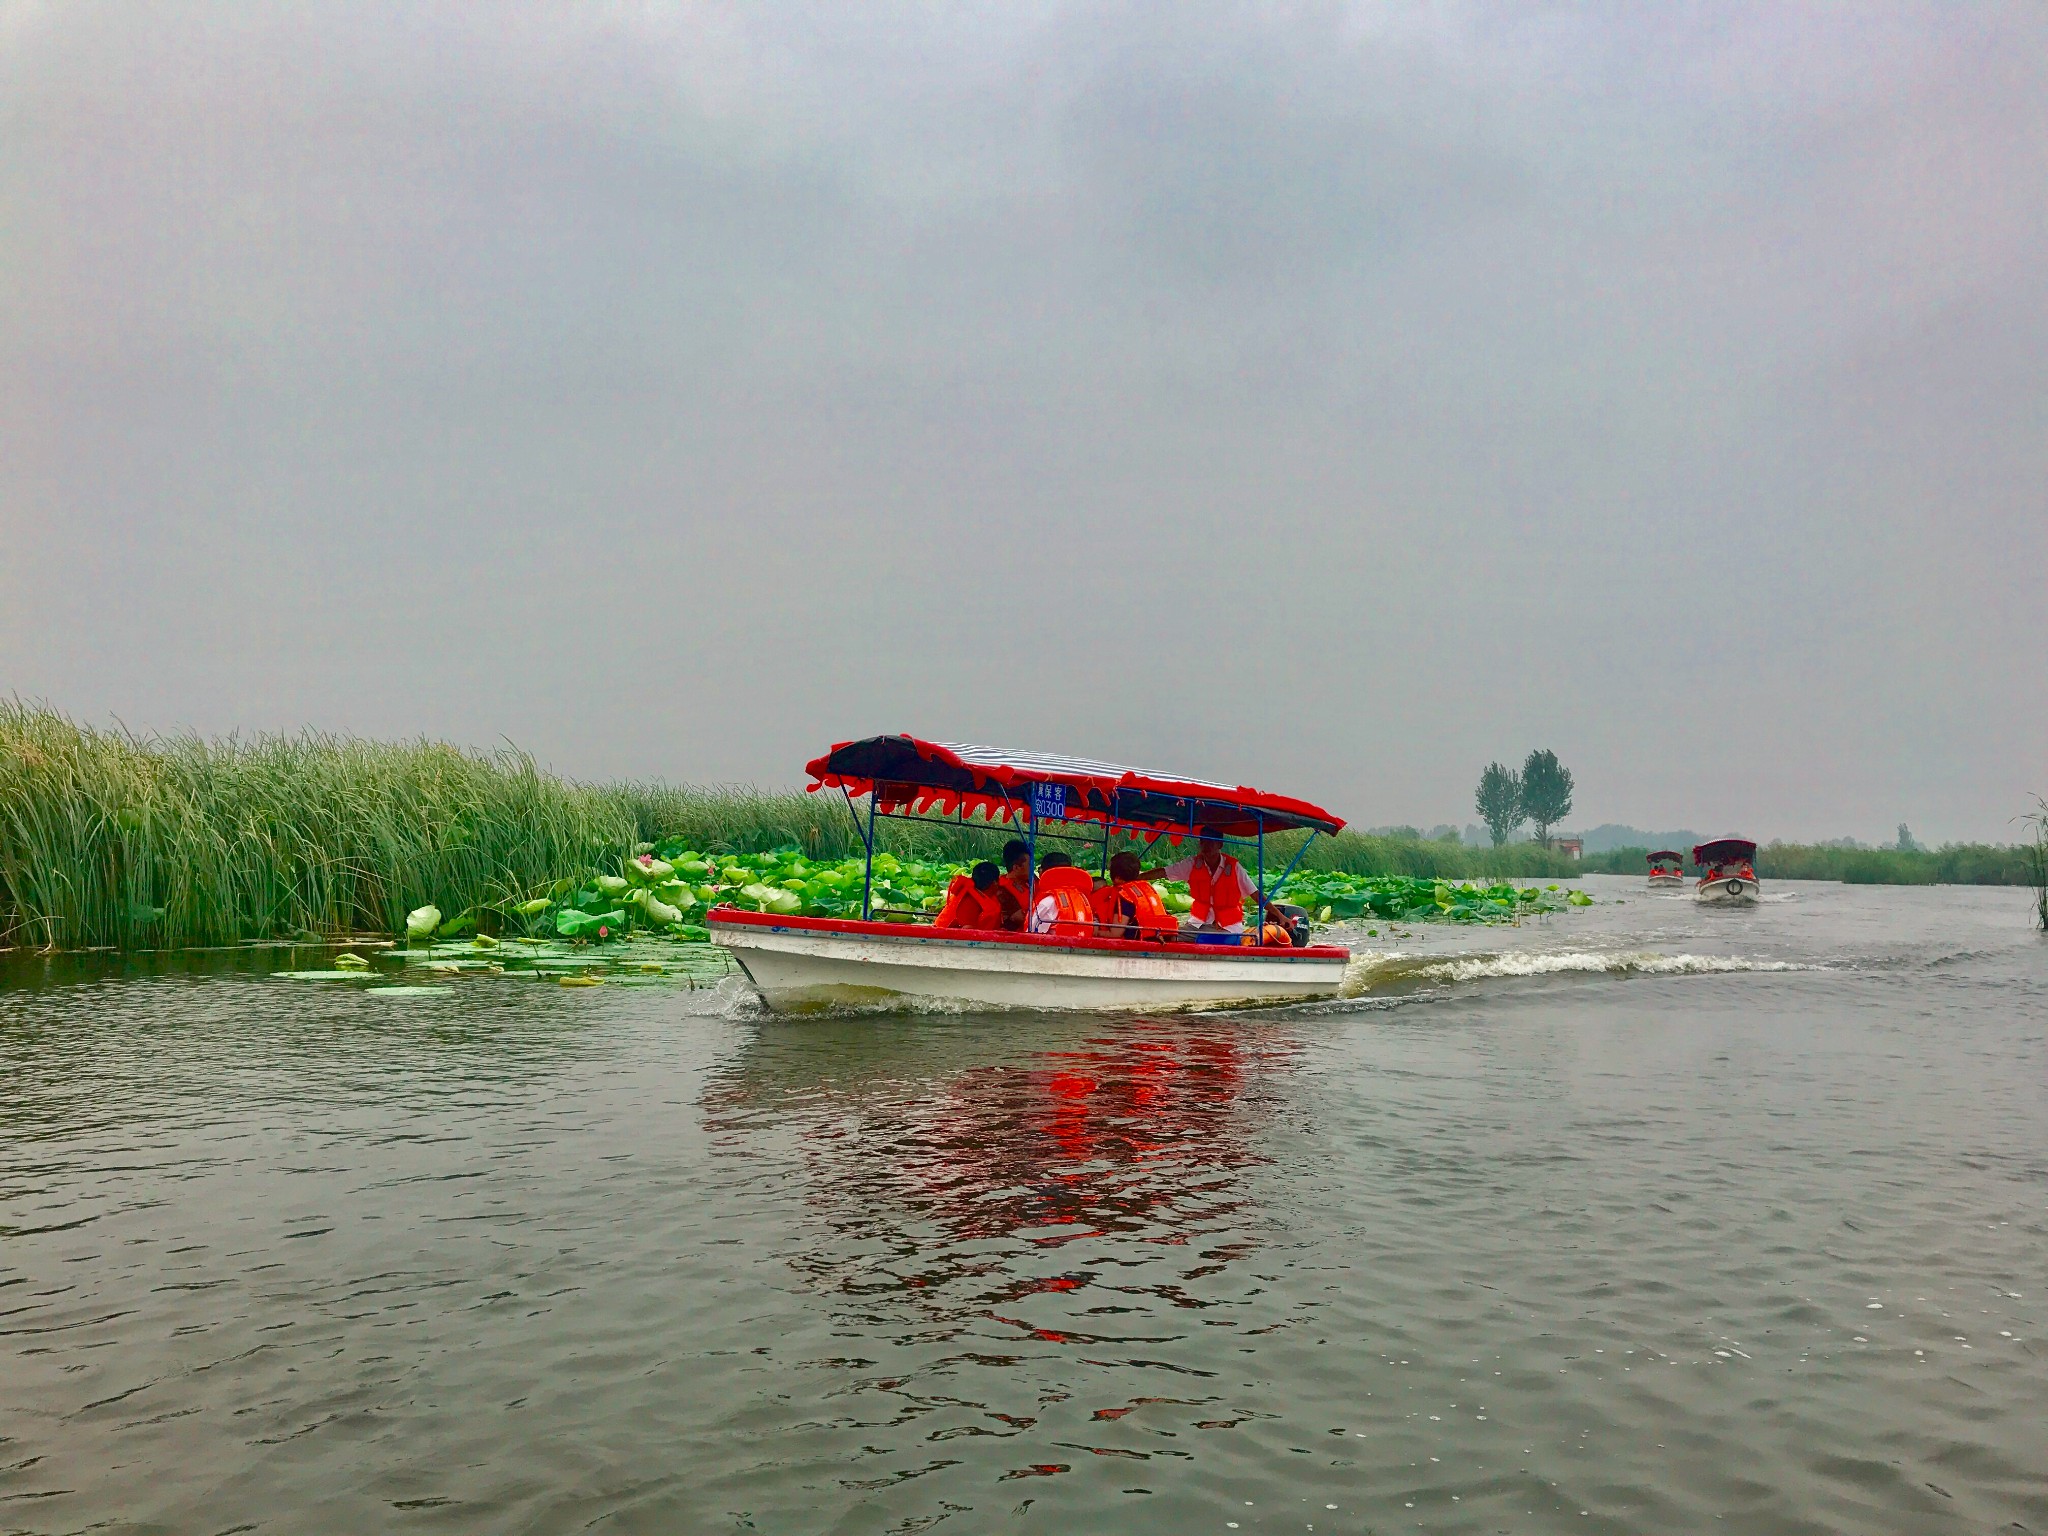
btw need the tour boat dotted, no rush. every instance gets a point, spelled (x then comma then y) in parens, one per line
(1727, 870)
(799, 963)
(1667, 867)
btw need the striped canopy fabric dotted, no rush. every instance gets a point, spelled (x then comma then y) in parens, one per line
(907, 772)
(1724, 850)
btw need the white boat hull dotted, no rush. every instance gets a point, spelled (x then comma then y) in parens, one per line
(1730, 890)
(1667, 880)
(796, 968)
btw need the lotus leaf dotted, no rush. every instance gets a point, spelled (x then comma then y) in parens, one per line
(610, 885)
(421, 922)
(589, 925)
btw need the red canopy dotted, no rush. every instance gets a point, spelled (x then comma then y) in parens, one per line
(907, 773)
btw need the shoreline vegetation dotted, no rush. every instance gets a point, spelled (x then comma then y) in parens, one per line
(111, 839)
(1950, 864)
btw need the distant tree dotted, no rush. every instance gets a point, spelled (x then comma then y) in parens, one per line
(1499, 801)
(1546, 793)
(1906, 843)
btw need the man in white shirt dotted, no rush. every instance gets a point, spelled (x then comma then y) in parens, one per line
(1218, 884)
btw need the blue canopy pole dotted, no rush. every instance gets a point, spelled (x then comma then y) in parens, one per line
(1259, 917)
(852, 815)
(867, 884)
(1030, 860)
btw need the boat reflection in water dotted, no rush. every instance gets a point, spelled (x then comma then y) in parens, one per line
(953, 1171)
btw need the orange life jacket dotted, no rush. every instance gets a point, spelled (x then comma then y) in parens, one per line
(1020, 892)
(1148, 912)
(968, 908)
(1070, 890)
(1224, 903)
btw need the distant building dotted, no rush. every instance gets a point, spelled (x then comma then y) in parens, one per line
(1573, 847)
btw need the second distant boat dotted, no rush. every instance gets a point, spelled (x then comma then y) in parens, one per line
(1667, 867)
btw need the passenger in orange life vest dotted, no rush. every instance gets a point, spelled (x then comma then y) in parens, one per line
(1128, 907)
(1064, 905)
(1013, 890)
(1218, 884)
(972, 901)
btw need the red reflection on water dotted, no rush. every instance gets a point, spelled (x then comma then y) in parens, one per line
(1137, 1135)
(1126, 1135)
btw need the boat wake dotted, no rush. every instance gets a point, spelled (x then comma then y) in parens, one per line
(1380, 970)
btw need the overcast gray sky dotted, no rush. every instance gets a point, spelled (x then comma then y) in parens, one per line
(1328, 397)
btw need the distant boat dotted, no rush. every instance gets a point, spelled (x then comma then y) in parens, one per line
(1727, 871)
(1667, 867)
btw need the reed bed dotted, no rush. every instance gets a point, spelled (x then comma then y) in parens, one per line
(109, 838)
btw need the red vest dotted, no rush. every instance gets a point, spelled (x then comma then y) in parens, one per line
(968, 908)
(1148, 912)
(1020, 892)
(1225, 901)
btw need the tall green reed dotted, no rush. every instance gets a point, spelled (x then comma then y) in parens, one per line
(2037, 859)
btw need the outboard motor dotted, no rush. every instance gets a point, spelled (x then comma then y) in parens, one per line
(1296, 921)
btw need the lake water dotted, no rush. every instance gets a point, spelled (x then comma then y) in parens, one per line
(1639, 1218)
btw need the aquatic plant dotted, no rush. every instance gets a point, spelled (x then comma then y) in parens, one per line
(2037, 859)
(665, 887)
(113, 838)
(109, 838)
(1396, 898)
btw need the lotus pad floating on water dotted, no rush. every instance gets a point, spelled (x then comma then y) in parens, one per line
(402, 991)
(317, 975)
(1334, 896)
(665, 887)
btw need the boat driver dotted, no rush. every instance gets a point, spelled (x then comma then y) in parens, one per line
(1218, 885)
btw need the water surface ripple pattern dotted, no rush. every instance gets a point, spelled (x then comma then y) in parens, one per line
(1515, 1242)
